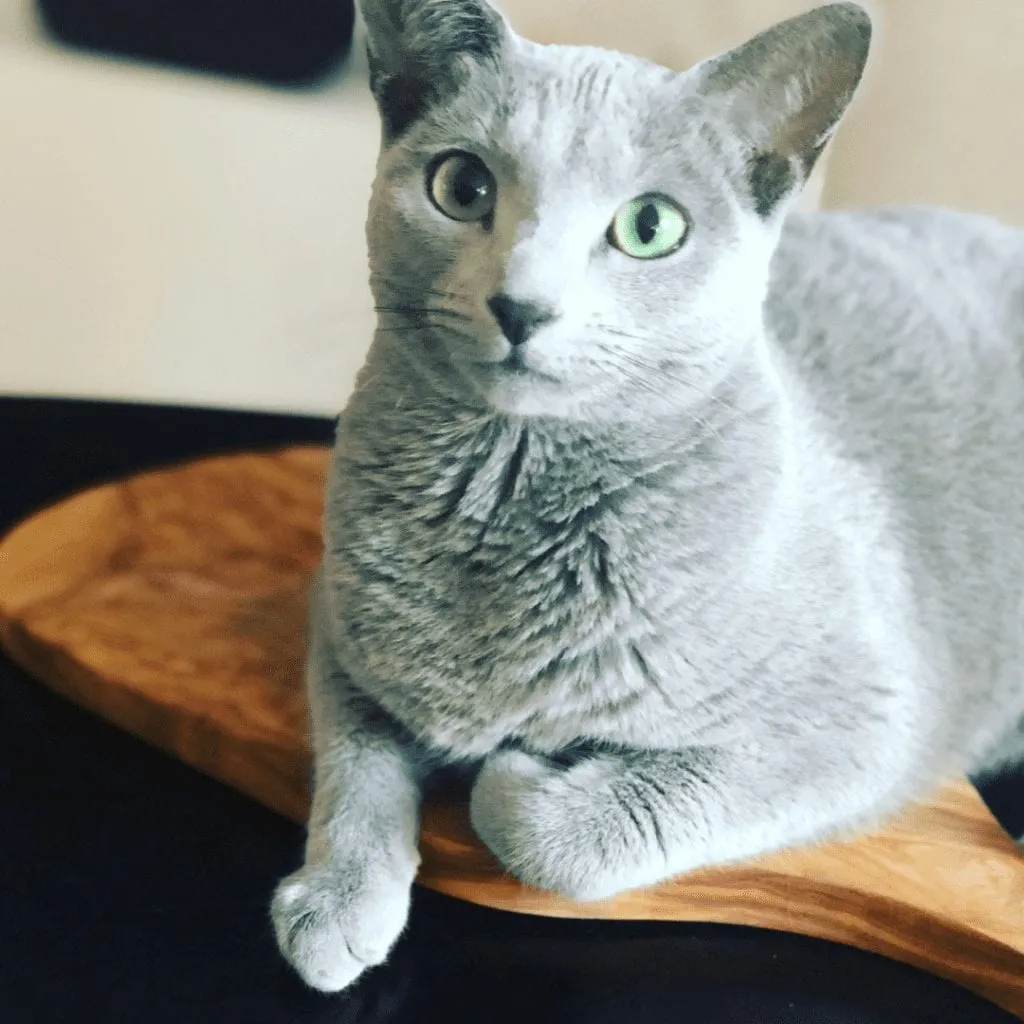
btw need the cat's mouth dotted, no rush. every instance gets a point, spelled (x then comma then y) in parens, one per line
(512, 383)
(515, 363)
(516, 367)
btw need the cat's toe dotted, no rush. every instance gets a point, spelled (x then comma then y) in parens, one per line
(334, 922)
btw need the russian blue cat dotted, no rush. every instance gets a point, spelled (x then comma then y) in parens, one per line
(691, 525)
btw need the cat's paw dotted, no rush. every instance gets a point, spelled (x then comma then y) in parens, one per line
(562, 829)
(334, 921)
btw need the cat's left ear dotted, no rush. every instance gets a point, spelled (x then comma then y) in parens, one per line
(421, 50)
(784, 92)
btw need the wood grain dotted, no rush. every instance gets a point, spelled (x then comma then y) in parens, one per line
(173, 604)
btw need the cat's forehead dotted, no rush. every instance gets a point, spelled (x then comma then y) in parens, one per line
(568, 110)
(582, 107)
(582, 94)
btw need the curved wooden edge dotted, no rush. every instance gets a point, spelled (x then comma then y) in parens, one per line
(41, 548)
(173, 605)
(835, 892)
(60, 564)
(274, 775)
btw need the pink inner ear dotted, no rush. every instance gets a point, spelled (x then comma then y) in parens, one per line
(805, 133)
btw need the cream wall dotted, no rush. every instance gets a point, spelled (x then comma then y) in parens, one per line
(178, 238)
(941, 119)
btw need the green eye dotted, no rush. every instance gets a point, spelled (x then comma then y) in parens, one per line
(648, 227)
(461, 187)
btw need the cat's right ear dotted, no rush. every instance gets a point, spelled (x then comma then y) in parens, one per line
(421, 50)
(783, 94)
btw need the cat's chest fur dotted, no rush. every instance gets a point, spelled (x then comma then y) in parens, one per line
(491, 587)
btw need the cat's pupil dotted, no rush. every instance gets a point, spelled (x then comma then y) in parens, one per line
(647, 221)
(470, 185)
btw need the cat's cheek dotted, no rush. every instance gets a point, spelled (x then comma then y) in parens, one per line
(474, 352)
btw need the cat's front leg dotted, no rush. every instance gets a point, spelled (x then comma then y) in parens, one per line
(343, 910)
(617, 821)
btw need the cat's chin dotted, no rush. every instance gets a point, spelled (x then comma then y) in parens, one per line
(516, 388)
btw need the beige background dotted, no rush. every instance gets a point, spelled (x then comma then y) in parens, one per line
(179, 238)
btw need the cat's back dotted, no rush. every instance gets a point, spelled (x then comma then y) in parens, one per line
(911, 288)
(906, 328)
(906, 319)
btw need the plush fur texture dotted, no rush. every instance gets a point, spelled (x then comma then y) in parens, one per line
(732, 558)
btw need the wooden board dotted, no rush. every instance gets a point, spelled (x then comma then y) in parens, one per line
(173, 604)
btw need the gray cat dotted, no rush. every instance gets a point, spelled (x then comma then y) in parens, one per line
(695, 524)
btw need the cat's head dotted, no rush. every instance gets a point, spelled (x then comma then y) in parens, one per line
(579, 233)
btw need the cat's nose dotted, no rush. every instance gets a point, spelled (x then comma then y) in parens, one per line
(518, 319)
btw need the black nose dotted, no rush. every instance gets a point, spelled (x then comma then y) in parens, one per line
(518, 320)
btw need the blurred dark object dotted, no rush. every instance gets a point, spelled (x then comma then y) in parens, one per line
(281, 42)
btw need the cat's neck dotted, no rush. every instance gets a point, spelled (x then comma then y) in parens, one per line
(722, 460)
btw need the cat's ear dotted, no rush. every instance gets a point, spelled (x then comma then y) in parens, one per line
(420, 50)
(784, 93)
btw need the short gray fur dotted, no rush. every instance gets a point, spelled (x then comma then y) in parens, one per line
(736, 563)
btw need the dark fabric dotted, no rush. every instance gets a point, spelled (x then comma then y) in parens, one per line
(276, 41)
(135, 890)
